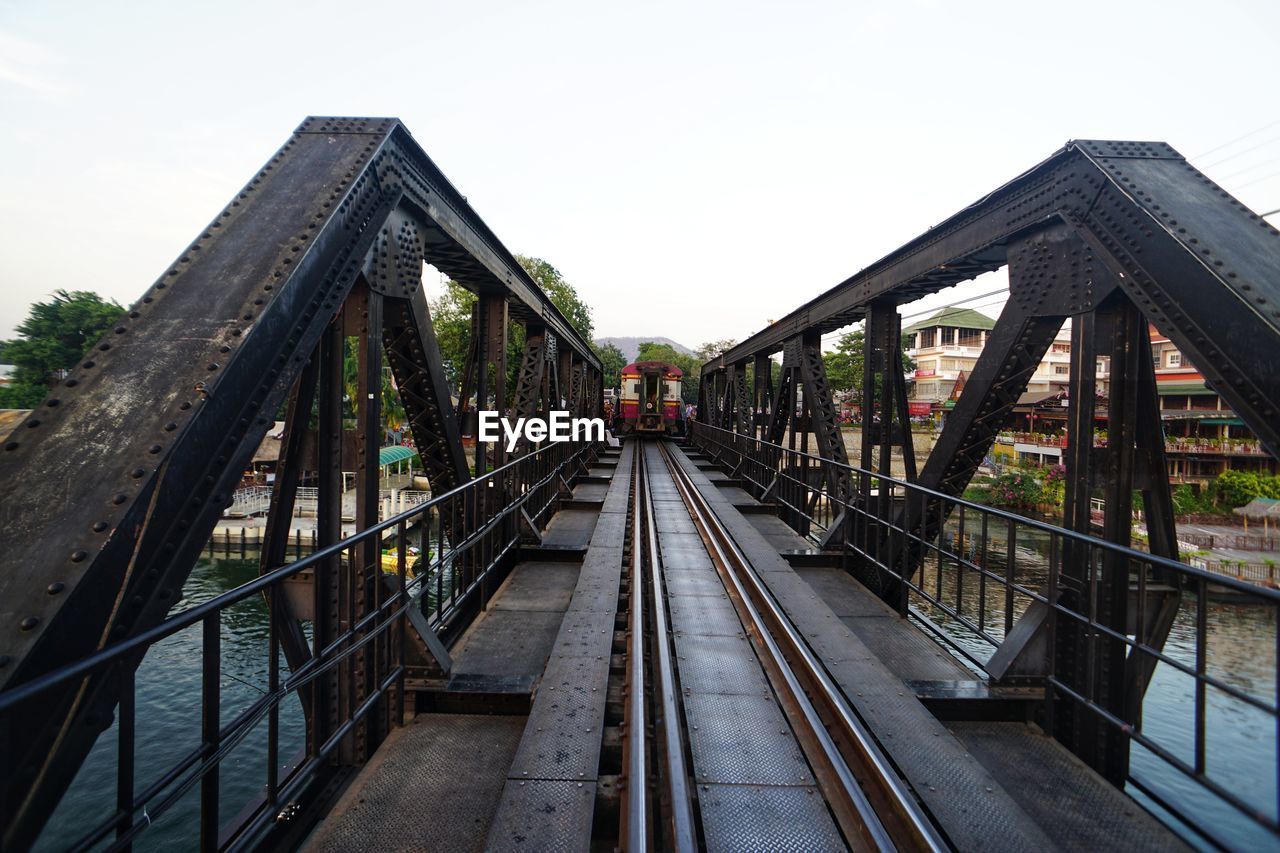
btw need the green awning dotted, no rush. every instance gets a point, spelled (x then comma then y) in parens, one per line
(1167, 388)
(395, 453)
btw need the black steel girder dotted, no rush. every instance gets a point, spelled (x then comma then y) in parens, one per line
(1201, 266)
(154, 427)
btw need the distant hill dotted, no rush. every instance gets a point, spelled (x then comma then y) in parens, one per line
(631, 346)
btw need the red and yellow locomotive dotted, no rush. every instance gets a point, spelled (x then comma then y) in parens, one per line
(649, 401)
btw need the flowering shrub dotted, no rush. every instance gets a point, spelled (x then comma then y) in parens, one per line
(1054, 488)
(1017, 490)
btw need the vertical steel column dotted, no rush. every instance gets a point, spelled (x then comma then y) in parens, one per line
(706, 390)
(366, 563)
(1096, 583)
(467, 384)
(491, 372)
(275, 534)
(564, 381)
(743, 422)
(325, 693)
(762, 396)
(1158, 601)
(530, 384)
(724, 396)
(823, 420)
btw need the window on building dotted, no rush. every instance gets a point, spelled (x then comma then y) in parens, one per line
(970, 337)
(926, 338)
(1060, 348)
(1062, 369)
(1173, 359)
(1101, 367)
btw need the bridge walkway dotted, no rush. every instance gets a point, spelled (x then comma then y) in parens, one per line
(442, 775)
(992, 784)
(518, 750)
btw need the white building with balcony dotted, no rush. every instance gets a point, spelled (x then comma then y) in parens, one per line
(945, 347)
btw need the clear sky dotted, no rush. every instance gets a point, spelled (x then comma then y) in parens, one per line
(694, 169)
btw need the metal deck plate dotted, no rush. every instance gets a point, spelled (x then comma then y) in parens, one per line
(1067, 798)
(595, 593)
(570, 528)
(586, 633)
(671, 541)
(602, 561)
(610, 530)
(742, 740)
(673, 518)
(686, 560)
(906, 651)
(778, 533)
(411, 795)
(706, 582)
(724, 665)
(844, 595)
(508, 642)
(562, 738)
(746, 818)
(543, 816)
(537, 586)
(704, 615)
(590, 491)
(968, 801)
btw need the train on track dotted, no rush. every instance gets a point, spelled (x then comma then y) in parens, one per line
(649, 401)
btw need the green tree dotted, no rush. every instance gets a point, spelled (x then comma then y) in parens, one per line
(844, 363)
(612, 361)
(1237, 488)
(562, 294)
(713, 349)
(451, 318)
(51, 340)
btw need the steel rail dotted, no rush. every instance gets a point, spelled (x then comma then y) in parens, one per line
(683, 830)
(874, 807)
(635, 815)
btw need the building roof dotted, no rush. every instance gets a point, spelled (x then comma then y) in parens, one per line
(960, 318)
(395, 453)
(1035, 398)
(1259, 508)
(671, 370)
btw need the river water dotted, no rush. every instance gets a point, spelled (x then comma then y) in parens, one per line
(1241, 752)
(168, 721)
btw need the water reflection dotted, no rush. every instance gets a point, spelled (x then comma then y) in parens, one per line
(168, 721)
(1240, 651)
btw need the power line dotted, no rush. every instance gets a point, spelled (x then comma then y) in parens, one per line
(1240, 153)
(1237, 139)
(1260, 164)
(1258, 180)
(931, 311)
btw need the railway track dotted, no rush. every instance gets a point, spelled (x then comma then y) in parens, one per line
(698, 769)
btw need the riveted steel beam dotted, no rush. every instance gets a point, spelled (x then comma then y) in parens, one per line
(1199, 264)
(158, 422)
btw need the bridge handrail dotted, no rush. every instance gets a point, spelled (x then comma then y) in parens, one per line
(900, 547)
(189, 617)
(528, 476)
(1272, 595)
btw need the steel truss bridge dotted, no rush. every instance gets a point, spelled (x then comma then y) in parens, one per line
(736, 640)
